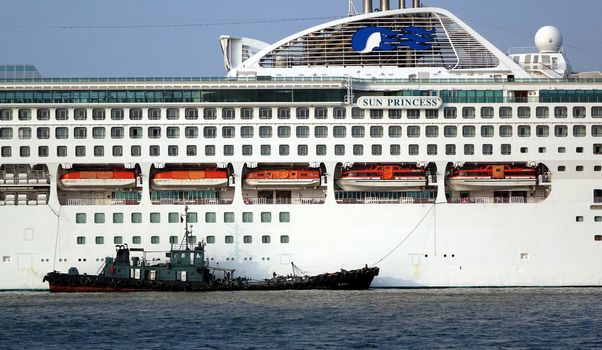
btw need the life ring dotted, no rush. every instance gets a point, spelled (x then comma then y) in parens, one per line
(85, 280)
(111, 269)
(139, 283)
(154, 284)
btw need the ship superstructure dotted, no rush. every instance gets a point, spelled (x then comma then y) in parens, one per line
(399, 137)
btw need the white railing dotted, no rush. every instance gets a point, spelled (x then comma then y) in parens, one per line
(306, 200)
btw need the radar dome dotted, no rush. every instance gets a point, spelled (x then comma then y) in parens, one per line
(548, 39)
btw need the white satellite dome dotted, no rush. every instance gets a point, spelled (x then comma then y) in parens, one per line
(548, 39)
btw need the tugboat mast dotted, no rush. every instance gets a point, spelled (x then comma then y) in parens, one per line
(187, 231)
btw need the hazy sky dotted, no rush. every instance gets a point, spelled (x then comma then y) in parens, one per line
(75, 38)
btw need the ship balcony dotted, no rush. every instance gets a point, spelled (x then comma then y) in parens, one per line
(498, 200)
(421, 197)
(285, 200)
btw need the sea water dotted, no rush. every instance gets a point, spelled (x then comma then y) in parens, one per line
(522, 318)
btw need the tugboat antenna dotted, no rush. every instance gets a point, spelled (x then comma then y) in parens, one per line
(187, 231)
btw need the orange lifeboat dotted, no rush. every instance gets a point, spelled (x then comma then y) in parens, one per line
(97, 180)
(383, 178)
(189, 179)
(492, 177)
(282, 179)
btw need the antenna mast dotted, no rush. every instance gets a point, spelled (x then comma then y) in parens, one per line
(352, 11)
(187, 231)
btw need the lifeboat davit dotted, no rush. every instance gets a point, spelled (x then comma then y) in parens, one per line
(190, 179)
(383, 178)
(492, 177)
(97, 180)
(282, 179)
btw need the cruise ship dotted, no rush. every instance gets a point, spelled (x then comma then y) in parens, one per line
(399, 138)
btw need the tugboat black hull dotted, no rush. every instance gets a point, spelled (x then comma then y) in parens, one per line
(343, 280)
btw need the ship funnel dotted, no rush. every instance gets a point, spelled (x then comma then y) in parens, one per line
(367, 6)
(384, 5)
(416, 4)
(402, 4)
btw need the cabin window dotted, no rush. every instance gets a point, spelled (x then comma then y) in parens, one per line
(61, 151)
(118, 218)
(191, 114)
(99, 240)
(525, 150)
(6, 114)
(579, 131)
(24, 133)
(487, 131)
(450, 131)
(598, 238)
(116, 132)
(43, 151)
(302, 150)
(265, 131)
(117, 151)
(321, 113)
(431, 150)
(154, 151)
(468, 149)
(579, 150)
(376, 114)
(192, 239)
(155, 218)
(173, 113)
(377, 150)
(6, 133)
(395, 131)
(395, 114)
(191, 150)
(561, 168)
(284, 150)
(358, 131)
(413, 114)
(191, 132)
(79, 133)
(505, 131)
(560, 112)
(173, 239)
(193, 217)
(135, 132)
(468, 131)
(117, 114)
(154, 132)
(432, 114)
(395, 150)
(210, 132)
(598, 196)
(285, 216)
(598, 148)
(413, 150)
(173, 218)
(265, 150)
(561, 131)
(358, 150)
(542, 112)
(597, 130)
(579, 168)
(247, 217)
(524, 112)
(136, 151)
(173, 132)
(376, 131)
(468, 112)
(505, 112)
(413, 131)
(210, 239)
(320, 150)
(506, 149)
(357, 113)
(99, 218)
(228, 217)
(209, 113)
(228, 150)
(266, 239)
(209, 150)
(81, 240)
(284, 239)
(135, 114)
(25, 152)
(247, 239)
(210, 217)
(597, 218)
(6, 151)
(154, 114)
(117, 240)
(229, 239)
(487, 149)
(79, 114)
(285, 113)
(80, 218)
(136, 240)
(339, 132)
(246, 113)
(450, 113)
(285, 131)
(24, 114)
(98, 114)
(431, 131)
(136, 218)
(98, 133)
(321, 131)
(43, 114)
(42, 133)
(247, 150)
(302, 113)
(154, 239)
(524, 131)
(246, 132)
(486, 112)
(265, 113)
(578, 112)
(450, 150)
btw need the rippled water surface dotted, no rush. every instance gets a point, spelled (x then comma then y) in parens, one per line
(387, 319)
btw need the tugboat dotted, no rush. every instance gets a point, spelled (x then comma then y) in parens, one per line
(188, 270)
